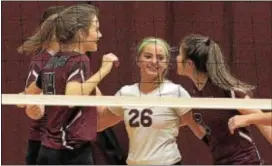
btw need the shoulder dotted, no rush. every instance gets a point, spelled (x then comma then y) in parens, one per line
(42, 56)
(78, 57)
(129, 90)
(70, 59)
(71, 56)
(175, 89)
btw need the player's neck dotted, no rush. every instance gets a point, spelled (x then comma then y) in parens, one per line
(200, 80)
(51, 51)
(72, 48)
(147, 85)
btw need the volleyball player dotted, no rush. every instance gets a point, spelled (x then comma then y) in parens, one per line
(70, 130)
(152, 131)
(39, 58)
(200, 59)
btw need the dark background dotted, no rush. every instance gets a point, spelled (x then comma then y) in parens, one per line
(242, 29)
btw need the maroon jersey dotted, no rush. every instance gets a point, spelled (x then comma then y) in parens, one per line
(36, 65)
(67, 128)
(226, 149)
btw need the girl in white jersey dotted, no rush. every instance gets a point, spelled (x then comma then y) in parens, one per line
(152, 131)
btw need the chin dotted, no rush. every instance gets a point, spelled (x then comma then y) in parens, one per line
(152, 75)
(93, 47)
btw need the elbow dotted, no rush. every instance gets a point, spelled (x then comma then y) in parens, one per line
(99, 128)
(101, 125)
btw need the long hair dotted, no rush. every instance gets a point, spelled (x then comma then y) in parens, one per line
(62, 26)
(208, 58)
(50, 11)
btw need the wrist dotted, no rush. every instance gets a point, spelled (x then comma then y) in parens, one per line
(249, 119)
(104, 70)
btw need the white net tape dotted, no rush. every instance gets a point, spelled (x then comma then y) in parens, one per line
(143, 101)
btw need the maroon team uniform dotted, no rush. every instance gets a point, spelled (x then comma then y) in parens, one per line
(237, 149)
(36, 129)
(69, 130)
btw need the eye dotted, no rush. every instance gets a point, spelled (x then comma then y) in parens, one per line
(161, 58)
(147, 56)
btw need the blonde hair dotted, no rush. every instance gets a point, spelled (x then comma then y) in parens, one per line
(154, 40)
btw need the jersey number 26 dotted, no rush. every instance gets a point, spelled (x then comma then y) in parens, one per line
(145, 119)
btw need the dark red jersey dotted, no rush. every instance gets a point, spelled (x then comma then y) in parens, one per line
(67, 127)
(226, 148)
(36, 65)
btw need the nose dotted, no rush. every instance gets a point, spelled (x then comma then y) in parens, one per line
(154, 60)
(99, 34)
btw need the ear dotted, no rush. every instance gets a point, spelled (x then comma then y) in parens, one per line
(190, 63)
(82, 34)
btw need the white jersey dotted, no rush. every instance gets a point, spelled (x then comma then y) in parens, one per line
(152, 131)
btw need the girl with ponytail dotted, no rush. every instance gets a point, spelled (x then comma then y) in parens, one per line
(200, 58)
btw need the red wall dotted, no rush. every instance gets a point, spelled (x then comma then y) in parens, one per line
(243, 29)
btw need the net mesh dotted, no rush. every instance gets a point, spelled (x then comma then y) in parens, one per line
(245, 52)
(242, 29)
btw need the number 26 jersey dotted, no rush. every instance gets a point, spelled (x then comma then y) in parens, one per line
(152, 131)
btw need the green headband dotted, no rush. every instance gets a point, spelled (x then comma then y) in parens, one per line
(158, 41)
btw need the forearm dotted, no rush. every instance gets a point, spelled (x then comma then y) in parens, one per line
(85, 88)
(32, 89)
(188, 120)
(105, 118)
(265, 130)
(260, 119)
(197, 129)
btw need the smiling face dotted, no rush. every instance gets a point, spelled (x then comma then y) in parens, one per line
(153, 61)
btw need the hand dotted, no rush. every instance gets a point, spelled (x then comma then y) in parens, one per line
(21, 105)
(35, 112)
(237, 121)
(108, 60)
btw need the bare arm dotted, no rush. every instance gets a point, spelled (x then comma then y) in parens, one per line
(34, 112)
(98, 93)
(85, 88)
(106, 118)
(33, 89)
(249, 119)
(188, 120)
(259, 118)
(265, 130)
